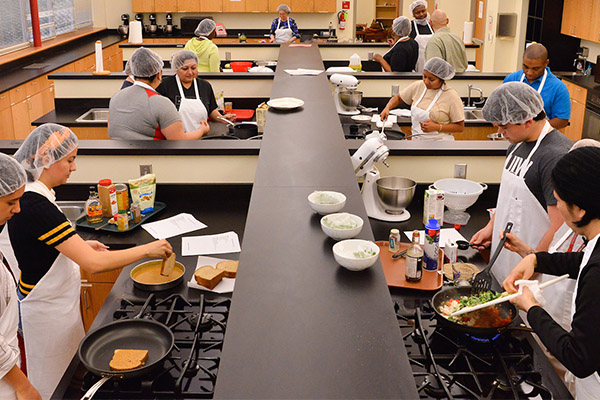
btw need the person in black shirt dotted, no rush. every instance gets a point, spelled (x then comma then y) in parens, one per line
(421, 30)
(402, 57)
(577, 188)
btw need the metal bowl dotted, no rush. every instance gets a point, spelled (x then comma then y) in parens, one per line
(350, 99)
(395, 193)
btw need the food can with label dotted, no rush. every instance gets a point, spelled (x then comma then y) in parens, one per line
(122, 197)
(122, 221)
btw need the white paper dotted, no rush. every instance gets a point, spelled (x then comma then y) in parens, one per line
(221, 243)
(391, 119)
(401, 112)
(225, 286)
(303, 71)
(446, 234)
(176, 225)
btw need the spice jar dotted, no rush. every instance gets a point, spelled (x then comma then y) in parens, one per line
(108, 197)
(394, 241)
(136, 213)
(122, 221)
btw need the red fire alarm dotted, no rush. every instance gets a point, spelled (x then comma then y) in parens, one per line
(345, 5)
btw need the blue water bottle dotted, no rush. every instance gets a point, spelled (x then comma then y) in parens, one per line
(432, 244)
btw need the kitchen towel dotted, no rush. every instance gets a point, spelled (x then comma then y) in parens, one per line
(303, 71)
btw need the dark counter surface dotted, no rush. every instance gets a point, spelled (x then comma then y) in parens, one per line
(586, 81)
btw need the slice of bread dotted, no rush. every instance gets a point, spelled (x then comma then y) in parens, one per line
(128, 359)
(208, 276)
(230, 268)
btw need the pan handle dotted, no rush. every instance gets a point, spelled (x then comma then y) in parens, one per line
(92, 391)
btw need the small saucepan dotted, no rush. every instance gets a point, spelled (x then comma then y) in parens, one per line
(146, 276)
(244, 130)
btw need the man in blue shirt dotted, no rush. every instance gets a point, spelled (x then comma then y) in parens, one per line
(536, 74)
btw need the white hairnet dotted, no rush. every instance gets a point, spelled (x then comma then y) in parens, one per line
(178, 59)
(440, 68)
(401, 26)
(416, 4)
(127, 69)
(284, 7)
(44, 146)
(12, 175)
(205, 27)
(145, 63)
(512, 103)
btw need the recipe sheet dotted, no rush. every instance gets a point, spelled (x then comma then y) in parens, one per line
(176, 225)
(221, 243)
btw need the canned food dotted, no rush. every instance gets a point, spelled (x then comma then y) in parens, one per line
(122, 221)
(122, 197)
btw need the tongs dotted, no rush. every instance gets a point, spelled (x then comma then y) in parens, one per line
(483, 280)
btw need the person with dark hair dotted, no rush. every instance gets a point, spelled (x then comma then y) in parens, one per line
(402, 56)
(577, 188)
(525, 198)
(557, 103)
(421, 30)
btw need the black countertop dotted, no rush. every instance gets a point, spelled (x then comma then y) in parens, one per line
(586, 81)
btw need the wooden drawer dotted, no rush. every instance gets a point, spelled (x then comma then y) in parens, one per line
(17, 94)
(4, 100)
(107, 277)
(34, 86)
(576, 92)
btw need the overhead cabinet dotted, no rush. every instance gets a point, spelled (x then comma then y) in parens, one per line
(581, 19)
(232, 6)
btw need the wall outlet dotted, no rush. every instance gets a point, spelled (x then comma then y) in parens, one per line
(460, 171)
(145, 169)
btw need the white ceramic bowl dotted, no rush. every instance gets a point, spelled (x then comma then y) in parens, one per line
(341, 233)
(460, 194)
(344, 253)
(323, 209)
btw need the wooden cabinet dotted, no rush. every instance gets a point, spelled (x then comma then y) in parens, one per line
(302, 6)
(7, 131)
(257, 6)
(578, 97)
(165, 5)
(20, 119)
(188, 5)
(325, 6)
(273, 4)
(580, 19)
(234, 5)
(24, 112)
(94, 291)
(142, 6)
(386, 11)
(211, 5)
(86, 64)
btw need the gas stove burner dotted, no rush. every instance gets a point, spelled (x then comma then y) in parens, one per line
(417, 336)
(190, 370)
(433, 388)
(502, 383)
(483, 339)
(205, 324)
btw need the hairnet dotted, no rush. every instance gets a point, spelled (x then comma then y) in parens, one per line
(205, 27)
(401, 26)
(585, 143)
(284, 7)
(178, 59)
(145, 63)
(416, 4)
(127, 69)
(512, 103)
(440, 68)
(44, 146)
(12, 175)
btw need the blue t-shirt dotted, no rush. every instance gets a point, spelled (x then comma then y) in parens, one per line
(557, 103)
(289, 23)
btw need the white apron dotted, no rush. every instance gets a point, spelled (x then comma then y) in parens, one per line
(52, 324)
(541, 83)
(192, 111)
(282, 35)
(422, 41)
(516, 203)
(418, 115)
(392, 48)
(9, 323)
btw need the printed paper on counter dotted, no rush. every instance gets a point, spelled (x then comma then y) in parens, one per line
(445, 234)
(176, 225)
(222, 243)
(303, 71)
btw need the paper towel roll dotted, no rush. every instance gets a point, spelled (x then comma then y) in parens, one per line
(468, 32)
(135, 32)
(99, 59)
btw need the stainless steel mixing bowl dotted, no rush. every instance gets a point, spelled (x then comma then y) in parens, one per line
(350, 99)
(395, 193)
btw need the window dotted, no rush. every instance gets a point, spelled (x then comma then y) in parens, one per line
(13, 26)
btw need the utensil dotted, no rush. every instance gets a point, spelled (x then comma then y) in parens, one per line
(226, 121)
(506, 297)
(102, 226)
(464, 245)
(244, 130)
(399, 254)
(483, 280)
(168, 265)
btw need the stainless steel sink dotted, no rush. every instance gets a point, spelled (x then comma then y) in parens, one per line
(474, 115)
(94, 115)
(73, 210)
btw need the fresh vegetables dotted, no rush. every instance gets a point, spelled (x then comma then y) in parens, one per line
(484, 318)
(364, 253)
(325, 198)
(340, 221)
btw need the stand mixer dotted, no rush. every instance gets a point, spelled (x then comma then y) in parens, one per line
(386, 198)
(345, 96)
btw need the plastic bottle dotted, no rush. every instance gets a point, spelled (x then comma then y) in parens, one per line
(432, 244)
(394, 241)
(355, 62)
(93, 207)
(414, 259)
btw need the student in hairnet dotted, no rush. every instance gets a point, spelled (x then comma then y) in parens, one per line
(402, 57)
(203, 46)
(435, 106)
(421, 29)
(139, 112)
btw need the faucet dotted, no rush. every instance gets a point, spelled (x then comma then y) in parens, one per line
(475, 103)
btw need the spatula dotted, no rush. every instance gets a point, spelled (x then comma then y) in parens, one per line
(483, 280)
(168, 265)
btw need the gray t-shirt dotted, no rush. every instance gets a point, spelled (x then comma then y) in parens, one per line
(538, 177)
(137, 113)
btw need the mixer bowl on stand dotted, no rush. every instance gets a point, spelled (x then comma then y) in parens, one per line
(350, 99)
(395, 193)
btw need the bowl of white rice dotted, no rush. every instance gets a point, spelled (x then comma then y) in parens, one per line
(340, 226)
(326, 202)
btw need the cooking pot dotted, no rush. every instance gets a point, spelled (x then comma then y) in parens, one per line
(168, 29)
(153, 268)
(243, 130)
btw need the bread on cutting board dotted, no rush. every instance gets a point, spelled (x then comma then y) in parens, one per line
(128, 359)
(208, 276)
(230, 267)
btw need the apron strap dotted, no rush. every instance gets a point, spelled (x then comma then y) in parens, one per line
(180, 87)
(541, 84)
(435, 99)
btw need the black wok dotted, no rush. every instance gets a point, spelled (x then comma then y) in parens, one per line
(506, 310)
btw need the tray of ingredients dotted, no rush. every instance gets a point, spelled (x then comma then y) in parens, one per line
(111, 225)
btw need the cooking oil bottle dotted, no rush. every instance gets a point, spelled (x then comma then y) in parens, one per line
(414, 259)
(93, 207)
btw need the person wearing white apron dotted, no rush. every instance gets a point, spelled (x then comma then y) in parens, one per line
(577, 348)
(449, 112)
(193, 112)
(13, 381)
(402, 56)
(419, 11)
(286, 32)
(47, 247)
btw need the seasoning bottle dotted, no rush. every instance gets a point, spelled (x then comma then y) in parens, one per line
(414, 259)
(432, 244)
(122, 221)
(93, 207)
(136, 213)
(394, 241)
(108, 197)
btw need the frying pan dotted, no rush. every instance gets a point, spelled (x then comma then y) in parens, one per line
(506, 310)
(97, 348)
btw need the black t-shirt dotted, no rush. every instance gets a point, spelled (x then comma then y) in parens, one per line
(423, 30)
(34, 234)
(403, 56)
(169, 89)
